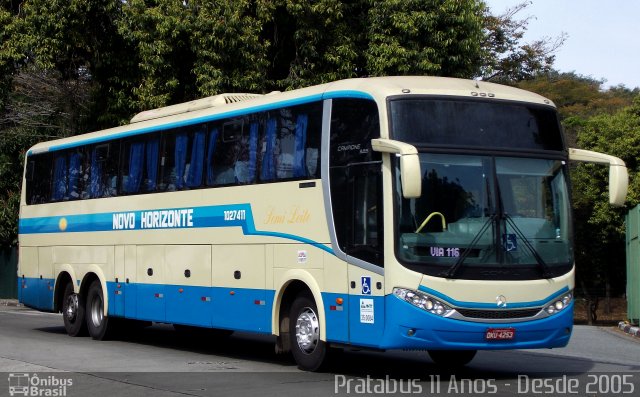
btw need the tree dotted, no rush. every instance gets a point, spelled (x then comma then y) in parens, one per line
(426, 37)
(229, 53)
(600, 232)
(505, 59)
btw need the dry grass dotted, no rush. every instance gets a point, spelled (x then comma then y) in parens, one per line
(618, 312)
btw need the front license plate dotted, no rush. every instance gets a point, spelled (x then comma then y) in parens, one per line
(500, 334)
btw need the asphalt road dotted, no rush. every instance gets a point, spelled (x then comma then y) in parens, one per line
(160, 362)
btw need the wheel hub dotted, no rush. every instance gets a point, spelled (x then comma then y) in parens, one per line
(71, 310)
(307, 330)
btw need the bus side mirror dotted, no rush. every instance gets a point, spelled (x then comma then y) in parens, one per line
(618, 176)
(410, 173)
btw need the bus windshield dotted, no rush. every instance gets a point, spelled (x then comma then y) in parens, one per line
(485, 211)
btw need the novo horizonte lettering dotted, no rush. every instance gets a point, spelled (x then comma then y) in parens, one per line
(157, 219)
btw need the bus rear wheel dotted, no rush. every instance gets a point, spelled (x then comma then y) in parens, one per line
(308, 350)
(100, 327)
(452, 358)
(73, 310)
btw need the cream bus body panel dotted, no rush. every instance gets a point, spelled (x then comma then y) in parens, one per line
(211, 254)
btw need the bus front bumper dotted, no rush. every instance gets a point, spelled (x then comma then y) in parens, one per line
(408, 327)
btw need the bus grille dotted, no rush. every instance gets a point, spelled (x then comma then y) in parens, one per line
(499, 314)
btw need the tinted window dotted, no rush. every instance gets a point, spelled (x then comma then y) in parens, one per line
(282, 144)
(38, 178)
(354, 122)
(448, 122)
(356, 179)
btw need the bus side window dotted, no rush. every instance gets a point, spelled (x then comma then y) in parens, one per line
(246, 163)
(224, 149)
(313, 139)
(195, 150)
(103, 172)
(59, 182)
(110, 170)
(229, 147)
(132, 166)
(167, 161)
(38, 178)
(291, 145)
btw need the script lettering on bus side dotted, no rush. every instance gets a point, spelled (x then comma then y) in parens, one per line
(295, 215)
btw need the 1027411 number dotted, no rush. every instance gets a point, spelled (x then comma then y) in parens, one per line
(235, 215)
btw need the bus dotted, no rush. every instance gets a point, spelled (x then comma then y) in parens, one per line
(375, 213)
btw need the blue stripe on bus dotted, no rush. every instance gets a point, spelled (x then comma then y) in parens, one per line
(214, 117)
(246, 309)
(478, 305)
(234, 215)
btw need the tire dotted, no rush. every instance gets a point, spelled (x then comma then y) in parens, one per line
(452, 358)
(73, 312)
(309, 351)
(100, 327)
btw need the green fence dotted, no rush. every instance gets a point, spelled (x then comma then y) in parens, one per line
(633, 264)
(8, 269)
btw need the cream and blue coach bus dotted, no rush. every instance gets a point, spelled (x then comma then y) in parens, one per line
(385, 213)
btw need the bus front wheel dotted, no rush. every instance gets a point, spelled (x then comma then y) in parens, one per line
(307, 348)
(452, 358)
(99, 326)
(73, 309)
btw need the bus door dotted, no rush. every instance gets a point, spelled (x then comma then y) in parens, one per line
(363, 247)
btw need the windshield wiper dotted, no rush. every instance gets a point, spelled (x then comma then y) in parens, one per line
(544, 268)
(451, 272)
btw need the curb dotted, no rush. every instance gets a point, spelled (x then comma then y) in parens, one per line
(629, 329)
(9, 302)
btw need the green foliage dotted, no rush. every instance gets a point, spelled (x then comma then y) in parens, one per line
(12, 150)
(229, 55)
(505, 58)
(424, 37)
(313, 42)
(600, 231)
(579, 96)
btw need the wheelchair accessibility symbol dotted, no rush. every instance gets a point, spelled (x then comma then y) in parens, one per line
(509, 242)
(366, 285)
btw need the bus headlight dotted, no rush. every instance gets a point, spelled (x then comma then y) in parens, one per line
(422, 301)
(559, 304)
